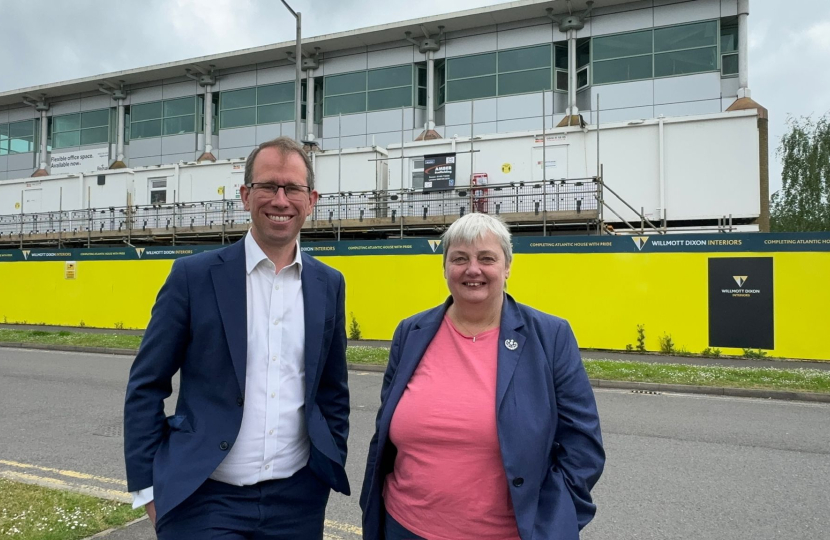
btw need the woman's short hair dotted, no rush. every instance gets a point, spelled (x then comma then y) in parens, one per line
(471, 227)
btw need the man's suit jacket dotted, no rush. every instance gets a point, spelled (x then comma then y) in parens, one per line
(199, 326)
(546, 417)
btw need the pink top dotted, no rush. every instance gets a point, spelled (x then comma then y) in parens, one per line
(448, 482)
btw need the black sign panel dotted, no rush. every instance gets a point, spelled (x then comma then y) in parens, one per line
(741, 303)
(439, 172)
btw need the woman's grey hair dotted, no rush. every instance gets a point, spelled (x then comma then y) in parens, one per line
(471, 227)
(286, 146)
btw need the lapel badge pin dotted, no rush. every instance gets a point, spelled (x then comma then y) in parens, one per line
(511, 344)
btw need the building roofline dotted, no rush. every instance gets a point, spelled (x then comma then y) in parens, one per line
(363, 37)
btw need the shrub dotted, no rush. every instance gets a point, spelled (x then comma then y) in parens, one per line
(715, 353)
(641, 337)
(629, 348)
(666, 344)
(354, 328)
(749, 353)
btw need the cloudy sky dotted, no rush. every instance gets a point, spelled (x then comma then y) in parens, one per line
(45, 41)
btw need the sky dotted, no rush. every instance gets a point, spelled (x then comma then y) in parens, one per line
(789, 46)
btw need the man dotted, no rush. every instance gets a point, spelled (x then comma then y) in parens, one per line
(257, 331)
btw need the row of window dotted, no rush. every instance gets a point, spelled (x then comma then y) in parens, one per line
(644, 54)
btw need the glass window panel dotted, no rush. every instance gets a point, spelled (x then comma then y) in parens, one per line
(4, 130)
(728, 39)
(422, 76)
(390, 99)
(70, 122)
(622, 45)
(561, 80)
(95, 118)
(479, 87)
(180, 107)
(345, 84)
(158, 197)
(390, 77)
(524, 81)
(21, 146)
(422, 97)
(237, 98)
(442, 95)
(350, 103)
(582, 78)
(179, 125)
(583, 54)
(680, 62)
(143, 130)
(418, 180)
(25, 128)
(66, 139)
(238, 117)
(624, 69)
(146, 111)
(529, 58)
(561, 56)
(729, 64)
(269, 114)
(276, 93)
(686, 36)
(471, 66)
(440, 74)
(95, 135)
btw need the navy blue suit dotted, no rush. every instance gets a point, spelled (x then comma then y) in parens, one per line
(199, 327)
(546, 417)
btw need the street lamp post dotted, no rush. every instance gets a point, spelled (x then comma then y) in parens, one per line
(298, 58)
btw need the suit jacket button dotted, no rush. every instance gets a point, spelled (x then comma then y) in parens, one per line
(224, 446)
(517, 482)
(240, 401)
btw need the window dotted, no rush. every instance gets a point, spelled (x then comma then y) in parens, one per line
(390, 88)
(561, 62)
(662, 52)
(344, 94)
(275, 103)
(81, 129)
(17, 137)
(374, 90)
(441, 82)
(171, 117)
(421, 71)
(690, 48)
(624, 57)
(729, 48)
(471, 77)
(417, 166)
(524, 70)
(179, 116)
(503, 73)
(158, 191)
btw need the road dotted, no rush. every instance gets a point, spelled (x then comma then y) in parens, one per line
(679, 466)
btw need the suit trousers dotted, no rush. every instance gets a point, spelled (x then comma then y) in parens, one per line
(285, 509)
(395, 531)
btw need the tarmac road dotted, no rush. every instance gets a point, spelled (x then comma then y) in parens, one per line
(679, 466)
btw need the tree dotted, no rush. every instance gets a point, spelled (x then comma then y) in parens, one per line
(803, 203)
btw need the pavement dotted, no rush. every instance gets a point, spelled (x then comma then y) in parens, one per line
(679, 465)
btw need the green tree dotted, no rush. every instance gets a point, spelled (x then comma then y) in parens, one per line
(803, 203)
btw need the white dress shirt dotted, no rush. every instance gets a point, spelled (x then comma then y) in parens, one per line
(273, 439)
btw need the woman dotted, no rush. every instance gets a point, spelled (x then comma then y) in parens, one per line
(487, 428)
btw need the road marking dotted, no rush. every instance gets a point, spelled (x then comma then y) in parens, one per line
(344, 527)
(55, 483)
(71, 474)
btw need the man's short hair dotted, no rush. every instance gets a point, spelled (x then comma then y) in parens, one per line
(286, 146)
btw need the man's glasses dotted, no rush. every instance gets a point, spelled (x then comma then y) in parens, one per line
(294, 192)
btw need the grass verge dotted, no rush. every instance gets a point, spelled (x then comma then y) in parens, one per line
(794, 380)
(797, 380)
(77, 339)
(30, 512)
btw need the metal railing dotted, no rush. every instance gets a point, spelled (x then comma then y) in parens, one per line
(332, 210)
